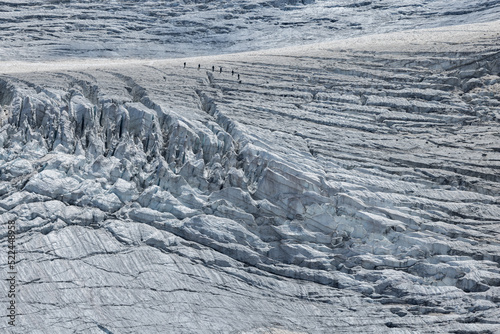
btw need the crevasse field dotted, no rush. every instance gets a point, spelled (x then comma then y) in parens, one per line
(250, 167)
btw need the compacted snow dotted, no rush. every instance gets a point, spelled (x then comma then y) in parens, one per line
(348, 186)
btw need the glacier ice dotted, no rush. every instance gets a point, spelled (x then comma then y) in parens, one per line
(38, 30)
(353, 190)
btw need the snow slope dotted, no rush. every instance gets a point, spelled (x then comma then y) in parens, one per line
(350, 186)
(40, 29)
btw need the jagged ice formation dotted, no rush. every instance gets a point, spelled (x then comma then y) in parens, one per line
(352, 190)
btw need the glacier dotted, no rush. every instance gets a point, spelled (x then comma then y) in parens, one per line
(344, 186)
(58, 29)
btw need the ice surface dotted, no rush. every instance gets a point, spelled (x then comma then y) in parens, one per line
(40, 30)
(349, 186)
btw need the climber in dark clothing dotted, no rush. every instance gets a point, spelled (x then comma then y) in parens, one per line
(199, 66)
(232, 72)
(184, 64)
(220, 67)
(213, 68)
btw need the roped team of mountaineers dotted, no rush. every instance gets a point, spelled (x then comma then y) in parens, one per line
(220, 70)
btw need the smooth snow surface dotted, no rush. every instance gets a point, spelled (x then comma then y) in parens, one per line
(343, 187)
